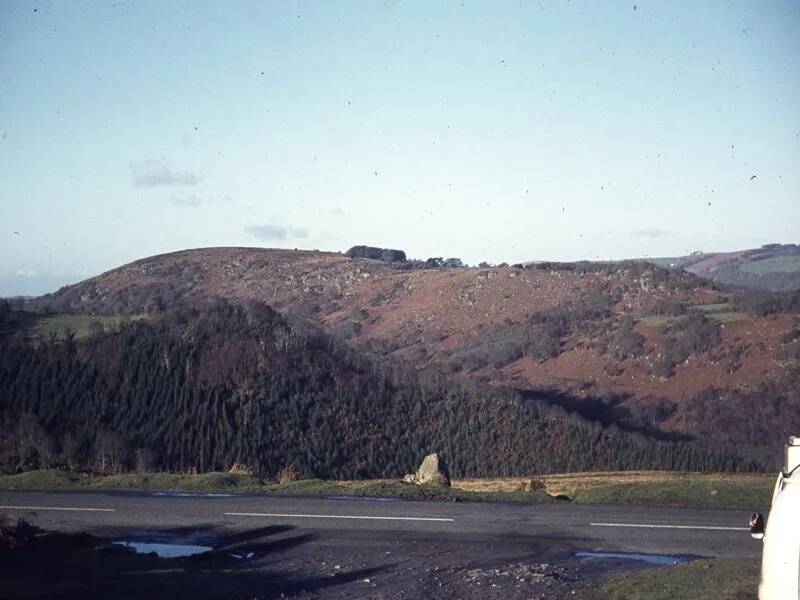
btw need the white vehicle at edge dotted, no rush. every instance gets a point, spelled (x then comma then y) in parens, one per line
(780, 562)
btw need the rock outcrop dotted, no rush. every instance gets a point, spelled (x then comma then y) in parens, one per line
(432, 471)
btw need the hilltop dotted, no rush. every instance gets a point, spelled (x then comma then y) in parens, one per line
(629, 344)
(771, 267)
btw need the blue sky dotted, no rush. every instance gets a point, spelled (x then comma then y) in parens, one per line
(488, 131)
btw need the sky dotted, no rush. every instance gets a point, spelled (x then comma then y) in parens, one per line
(489, 131)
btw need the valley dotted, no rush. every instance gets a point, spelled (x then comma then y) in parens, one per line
(646, 350)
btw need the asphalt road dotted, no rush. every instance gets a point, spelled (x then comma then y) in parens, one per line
(697, 532)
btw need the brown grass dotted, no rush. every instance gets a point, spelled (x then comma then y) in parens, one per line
(569, 483)
(288, 473)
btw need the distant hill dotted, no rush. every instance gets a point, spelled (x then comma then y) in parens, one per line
(659, 352)
(771, 267)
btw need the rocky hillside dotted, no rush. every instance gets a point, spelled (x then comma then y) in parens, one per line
(629, 344)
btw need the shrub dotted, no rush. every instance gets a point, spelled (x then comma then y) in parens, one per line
(541, 345)
(144, 459)
(791, 335)
(350, 325)
(670, 307)
(761, 303)
(288, 473)
(686, 337)
(696, 333)
(5, 311)
(453, 365)
(626, 342)
(240, 469)
(663, 366)
(434, 262)
(788, 353)
(534, 485)
(384, 254)
(96, 328)
(664, 410)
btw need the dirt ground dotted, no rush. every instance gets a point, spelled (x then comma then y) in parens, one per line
(284, 562)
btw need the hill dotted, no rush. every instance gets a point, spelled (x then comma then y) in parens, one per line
(209, 387)
(629, 345)
(772, 267)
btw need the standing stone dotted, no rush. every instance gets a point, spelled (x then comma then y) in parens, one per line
(432, 471)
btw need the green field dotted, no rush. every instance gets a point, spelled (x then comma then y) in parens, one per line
(720, 579)
(46, 325)
(727, 317)
(784, 263)
(721, 312)
(713, 308)
(657, 320)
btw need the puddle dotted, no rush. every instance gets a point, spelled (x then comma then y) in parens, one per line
(164, 550)
(650, 559)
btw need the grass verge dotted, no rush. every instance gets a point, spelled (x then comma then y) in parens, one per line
(54, 479)
(707, 493)
(652, 488)
(721, 579)
(744, 491)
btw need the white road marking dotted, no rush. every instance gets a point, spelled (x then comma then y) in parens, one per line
(298, 516)
(58, 508)
(654, 526)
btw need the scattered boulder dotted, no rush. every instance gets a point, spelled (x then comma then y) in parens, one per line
(432, 471)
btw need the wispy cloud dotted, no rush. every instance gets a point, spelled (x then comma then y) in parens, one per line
(267, 233)
(190, 200)
(653, 232)
(26, 273)
(154, 172)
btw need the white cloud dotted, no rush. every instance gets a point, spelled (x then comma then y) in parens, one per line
(192, 200)
(653, 232)
(267, 233)
(155, 172)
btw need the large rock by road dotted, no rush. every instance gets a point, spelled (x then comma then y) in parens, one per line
(432, 471)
